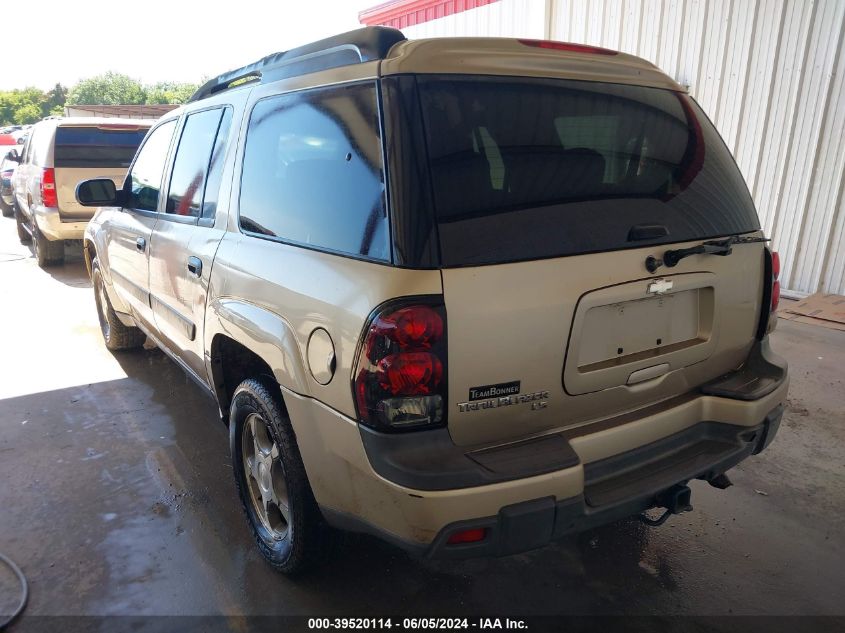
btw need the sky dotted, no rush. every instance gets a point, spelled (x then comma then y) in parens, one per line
(158, 40)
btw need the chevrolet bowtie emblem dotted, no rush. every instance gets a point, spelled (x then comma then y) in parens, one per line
(659, 287)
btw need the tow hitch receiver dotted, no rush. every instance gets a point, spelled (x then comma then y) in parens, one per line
(676, 500)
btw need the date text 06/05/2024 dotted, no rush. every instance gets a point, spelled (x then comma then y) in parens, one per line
(412, 624)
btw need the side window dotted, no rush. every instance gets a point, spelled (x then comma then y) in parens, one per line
(194, 165)
(39, 147)
(313, 173)
(145, 178)
(25, 150)
(215, 167)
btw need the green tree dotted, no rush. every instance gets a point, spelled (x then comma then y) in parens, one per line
(7, 108)
(109, 89)
(27, 113)
(54, 100)
(21, 106)
(170, 92)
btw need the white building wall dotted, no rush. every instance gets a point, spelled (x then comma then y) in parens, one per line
(511, 18)
(771, 75)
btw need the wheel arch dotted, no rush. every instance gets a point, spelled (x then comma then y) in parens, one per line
(244, 340)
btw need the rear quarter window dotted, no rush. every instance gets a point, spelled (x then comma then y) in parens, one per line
(533, 168)
(313, 173)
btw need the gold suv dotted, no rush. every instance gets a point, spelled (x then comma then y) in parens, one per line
(469, 295)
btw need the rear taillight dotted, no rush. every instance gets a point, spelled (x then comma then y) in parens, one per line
(775, 282)
(48, 188)
(400, 373)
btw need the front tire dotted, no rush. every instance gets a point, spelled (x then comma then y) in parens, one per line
(47, 252)
(6, 209)
(116, 335)
(271, 480)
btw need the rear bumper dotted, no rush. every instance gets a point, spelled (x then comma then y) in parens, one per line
(530, 493)
(51, 224)
(702, 452)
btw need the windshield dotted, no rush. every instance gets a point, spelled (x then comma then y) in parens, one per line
(533, 168)
(96, 146)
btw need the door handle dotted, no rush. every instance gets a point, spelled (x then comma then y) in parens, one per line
(195, 266)
(141, 244)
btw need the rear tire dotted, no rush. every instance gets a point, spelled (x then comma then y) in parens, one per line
(283, 516)
(47, 252)
(23, 234)
(6, 209)
(116, 335)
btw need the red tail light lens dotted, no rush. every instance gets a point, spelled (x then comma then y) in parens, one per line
(414, 327)
(568, 46)
(400, 371)
(775, 282)
(775, 295)
(410, 374)
(48, 188)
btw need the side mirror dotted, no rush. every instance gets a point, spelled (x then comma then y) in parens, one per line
(98, 192)
(13, 156)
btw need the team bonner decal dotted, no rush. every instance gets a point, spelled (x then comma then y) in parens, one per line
(502, 394)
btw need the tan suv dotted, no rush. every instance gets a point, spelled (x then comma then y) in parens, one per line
(58, 154)
(469, 295)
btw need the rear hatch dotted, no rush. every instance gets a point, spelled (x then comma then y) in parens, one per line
(550, 195)
(82, 152)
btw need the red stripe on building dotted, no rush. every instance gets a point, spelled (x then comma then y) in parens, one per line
(402, 13)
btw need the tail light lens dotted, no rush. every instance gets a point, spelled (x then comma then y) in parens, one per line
(400, 373)
(775, 281)
(48, 188)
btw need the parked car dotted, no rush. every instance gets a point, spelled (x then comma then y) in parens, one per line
(7, 169)
(60, 152)
(469, 295)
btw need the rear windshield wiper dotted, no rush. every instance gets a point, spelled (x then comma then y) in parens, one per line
(713, 247)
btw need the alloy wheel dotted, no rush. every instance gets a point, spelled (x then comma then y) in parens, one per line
(265, 477)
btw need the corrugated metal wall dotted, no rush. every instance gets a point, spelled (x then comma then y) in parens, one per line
(771, 75)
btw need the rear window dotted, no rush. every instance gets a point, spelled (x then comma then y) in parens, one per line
(527, 169)
(96, 146)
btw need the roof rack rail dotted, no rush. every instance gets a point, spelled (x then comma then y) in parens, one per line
(354, 47)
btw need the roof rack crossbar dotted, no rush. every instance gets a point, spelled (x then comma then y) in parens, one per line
(355, 47)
